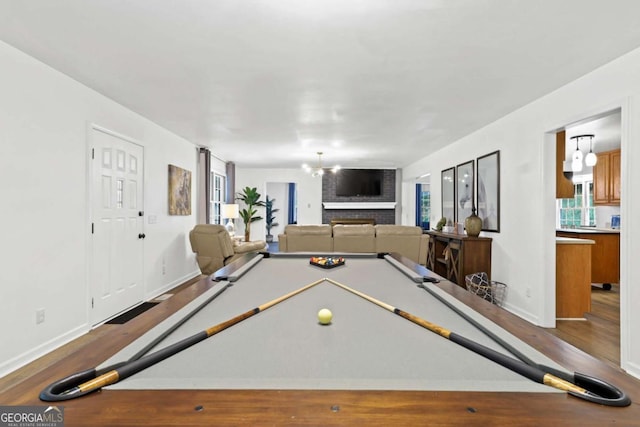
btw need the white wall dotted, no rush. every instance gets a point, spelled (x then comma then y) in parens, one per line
(309, 191)
(604, 214)
(44, 119)
(524, 251)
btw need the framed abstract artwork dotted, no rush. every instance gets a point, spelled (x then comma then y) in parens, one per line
(489, 191)
(179, 191)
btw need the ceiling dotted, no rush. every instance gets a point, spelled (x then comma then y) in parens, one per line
(371, 83)
(606, 131)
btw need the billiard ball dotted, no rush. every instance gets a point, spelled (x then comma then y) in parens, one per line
(325, 316)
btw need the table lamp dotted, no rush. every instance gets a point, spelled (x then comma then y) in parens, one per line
(230, 212)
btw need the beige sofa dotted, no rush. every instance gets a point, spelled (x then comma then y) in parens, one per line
(408, 241)
(354, 238)
(306, 238)
(214, 248)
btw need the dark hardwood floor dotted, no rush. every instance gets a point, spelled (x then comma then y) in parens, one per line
(599, 335)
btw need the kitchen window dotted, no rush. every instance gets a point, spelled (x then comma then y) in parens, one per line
(578, 211)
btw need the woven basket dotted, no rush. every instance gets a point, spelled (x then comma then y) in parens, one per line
(492, 291)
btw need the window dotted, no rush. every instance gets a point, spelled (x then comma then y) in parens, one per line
(578, 211)
(423, 205)
(216, 198)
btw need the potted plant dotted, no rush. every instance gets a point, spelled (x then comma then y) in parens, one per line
(250, 197)
(270, 219)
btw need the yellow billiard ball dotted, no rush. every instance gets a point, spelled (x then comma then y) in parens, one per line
(325, 316)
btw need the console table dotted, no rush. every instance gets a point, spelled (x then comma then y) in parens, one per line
(453, 256)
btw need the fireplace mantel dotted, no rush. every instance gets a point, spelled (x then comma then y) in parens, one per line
(359, 205)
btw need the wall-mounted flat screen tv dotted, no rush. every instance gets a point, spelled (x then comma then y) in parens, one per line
(359, 182)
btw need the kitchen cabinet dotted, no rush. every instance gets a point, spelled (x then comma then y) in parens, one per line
(453, 256)
(605, 253)
(564, 186)
(573, 277)
(606, 179)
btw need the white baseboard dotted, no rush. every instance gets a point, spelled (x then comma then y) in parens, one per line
(47, 347)
(39, 351)
(168, 286)
(522, 314)
(632, 369)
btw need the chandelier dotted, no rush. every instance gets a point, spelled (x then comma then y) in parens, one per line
(318, 170)
(589, 160)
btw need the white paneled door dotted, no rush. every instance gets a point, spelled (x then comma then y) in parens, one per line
(117, 235)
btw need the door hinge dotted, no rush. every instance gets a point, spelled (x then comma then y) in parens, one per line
(93, 153)
(92, 229)
(91, 302)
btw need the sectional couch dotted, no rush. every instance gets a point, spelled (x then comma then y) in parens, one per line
(408, 241)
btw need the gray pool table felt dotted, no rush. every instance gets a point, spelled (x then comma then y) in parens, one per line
(364, 348)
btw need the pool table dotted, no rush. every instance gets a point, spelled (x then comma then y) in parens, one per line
(368, 366)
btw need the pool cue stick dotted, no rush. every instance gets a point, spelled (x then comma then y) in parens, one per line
(147, 348)
(179, 323)
(59, 390)
(575, 377)
(511, 349)
(534, 373)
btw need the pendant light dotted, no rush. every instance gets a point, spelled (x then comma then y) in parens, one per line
(591, 159)
(576, 159)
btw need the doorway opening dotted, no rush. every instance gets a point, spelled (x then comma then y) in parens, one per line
(588, 207)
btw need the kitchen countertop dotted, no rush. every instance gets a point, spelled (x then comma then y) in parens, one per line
(572, 241)
(590, 230)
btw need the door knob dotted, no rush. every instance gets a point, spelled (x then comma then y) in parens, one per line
(141, 236)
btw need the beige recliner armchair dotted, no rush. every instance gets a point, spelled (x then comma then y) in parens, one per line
(214, 248)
